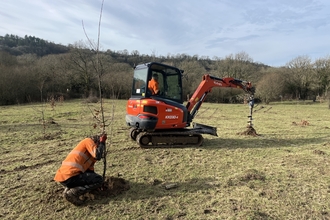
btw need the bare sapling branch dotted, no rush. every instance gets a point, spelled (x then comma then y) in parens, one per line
(99, 72)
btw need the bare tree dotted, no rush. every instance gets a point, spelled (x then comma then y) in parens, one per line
(270, 87)
(239, 66)
(300, 76)
(7, 60)
(81, 63)
(322, 69)
(115, 80)
(193, 72)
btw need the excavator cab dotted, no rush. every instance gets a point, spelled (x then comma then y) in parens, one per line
(169, 79)
(147, 111)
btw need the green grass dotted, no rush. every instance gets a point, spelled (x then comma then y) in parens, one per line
(281, 174)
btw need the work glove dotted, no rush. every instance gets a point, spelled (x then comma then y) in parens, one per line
(101, 147)
(103, 138)
(100, 151)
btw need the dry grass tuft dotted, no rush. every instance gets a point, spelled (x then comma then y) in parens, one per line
(301, 123)
(245, 177)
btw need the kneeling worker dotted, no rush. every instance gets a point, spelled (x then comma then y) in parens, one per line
(77, 171)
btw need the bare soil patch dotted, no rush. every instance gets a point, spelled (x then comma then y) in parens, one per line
(249, 131)
(112, 186)
(319, 152)
(301, 123)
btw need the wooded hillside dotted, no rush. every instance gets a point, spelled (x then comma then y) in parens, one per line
(33, 69)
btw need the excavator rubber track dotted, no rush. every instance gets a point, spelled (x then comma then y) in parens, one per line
(169, 139)
(172, 138)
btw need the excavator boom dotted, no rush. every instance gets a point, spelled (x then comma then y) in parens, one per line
(208, 82)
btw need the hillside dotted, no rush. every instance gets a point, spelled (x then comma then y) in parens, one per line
(16, 45)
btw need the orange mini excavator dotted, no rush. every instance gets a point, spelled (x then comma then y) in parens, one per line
(162, 118)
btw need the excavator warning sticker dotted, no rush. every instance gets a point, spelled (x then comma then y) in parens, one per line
(218, 83)
(171, 117)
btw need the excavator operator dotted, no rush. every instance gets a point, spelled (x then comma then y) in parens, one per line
(153, 85)
(77, 171)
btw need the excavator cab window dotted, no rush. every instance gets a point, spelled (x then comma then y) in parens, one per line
(139, 82)
(169, 79)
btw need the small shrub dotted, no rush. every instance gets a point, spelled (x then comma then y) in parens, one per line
(92, 99)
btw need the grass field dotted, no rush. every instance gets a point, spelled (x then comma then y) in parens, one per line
(281, 174)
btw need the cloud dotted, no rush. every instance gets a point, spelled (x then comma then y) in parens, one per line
(269, 31)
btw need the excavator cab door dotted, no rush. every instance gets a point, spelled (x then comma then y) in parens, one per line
(170, 81)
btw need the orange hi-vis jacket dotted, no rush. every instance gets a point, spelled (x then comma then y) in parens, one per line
(153, 86)
(80, 159)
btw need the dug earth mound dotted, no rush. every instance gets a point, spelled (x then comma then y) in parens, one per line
(112, 186)
(249, 131)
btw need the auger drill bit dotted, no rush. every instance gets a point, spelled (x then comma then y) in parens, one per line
(251, 105)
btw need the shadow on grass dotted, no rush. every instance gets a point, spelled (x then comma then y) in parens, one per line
(260, 142)
(139, 191)
(249, 142)
(147, 191)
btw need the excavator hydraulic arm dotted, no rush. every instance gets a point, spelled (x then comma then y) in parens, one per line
(208, 82)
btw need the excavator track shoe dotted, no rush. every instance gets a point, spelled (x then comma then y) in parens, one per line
(168, 139)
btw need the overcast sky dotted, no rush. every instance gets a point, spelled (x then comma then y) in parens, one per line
(272, 32)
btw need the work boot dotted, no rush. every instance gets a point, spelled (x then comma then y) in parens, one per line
(66, 189)
(72, 195)
(92, 187)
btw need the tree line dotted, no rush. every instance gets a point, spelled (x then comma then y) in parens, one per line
(33, 70)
